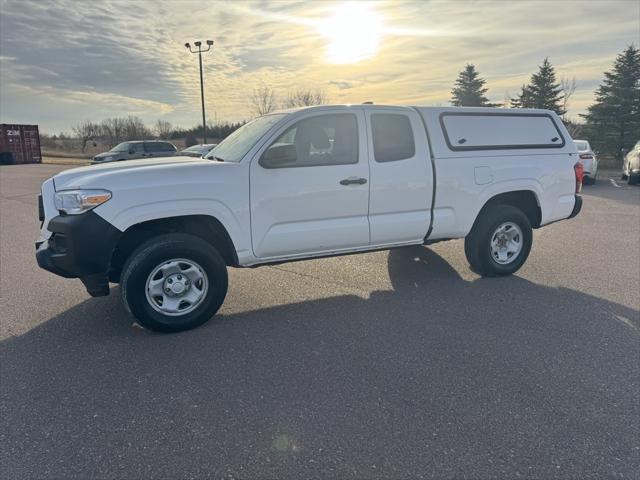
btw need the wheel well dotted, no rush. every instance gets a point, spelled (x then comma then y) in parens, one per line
(203, 226)
(524, 200)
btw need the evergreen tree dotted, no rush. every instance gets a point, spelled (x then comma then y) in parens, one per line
(469, 89)
(542, 91)
(524, 99)
(612, 123)
(546, 92)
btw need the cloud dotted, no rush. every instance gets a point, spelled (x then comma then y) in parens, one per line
(90, 60)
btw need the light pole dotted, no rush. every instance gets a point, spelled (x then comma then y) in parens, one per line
(200, 51)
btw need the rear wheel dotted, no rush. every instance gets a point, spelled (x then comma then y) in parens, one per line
(174, 282)
(633, 179)
(499, 242)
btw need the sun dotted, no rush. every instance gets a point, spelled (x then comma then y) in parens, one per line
(353, 31)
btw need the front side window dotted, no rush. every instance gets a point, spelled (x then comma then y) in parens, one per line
(136, 147)
(392, 137)
(315, 141)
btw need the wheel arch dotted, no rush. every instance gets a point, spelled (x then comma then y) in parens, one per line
(206, 227)
(525, 200)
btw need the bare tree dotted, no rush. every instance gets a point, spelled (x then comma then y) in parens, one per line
(86, 131)
(305, 97)
(568, 89)
(135, 129)
(112, 130)
(163, 129)
(263, 101)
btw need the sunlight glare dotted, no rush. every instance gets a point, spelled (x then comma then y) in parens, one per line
(353, 31)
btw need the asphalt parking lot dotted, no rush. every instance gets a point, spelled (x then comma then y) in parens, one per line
(401, 364)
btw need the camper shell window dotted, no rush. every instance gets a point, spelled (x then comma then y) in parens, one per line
(465, 131)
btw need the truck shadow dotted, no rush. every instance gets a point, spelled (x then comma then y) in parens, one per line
(438, 375)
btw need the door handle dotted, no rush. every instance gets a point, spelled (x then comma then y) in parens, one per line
(353, 181)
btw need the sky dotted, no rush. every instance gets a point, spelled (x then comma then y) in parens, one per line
(66, 61)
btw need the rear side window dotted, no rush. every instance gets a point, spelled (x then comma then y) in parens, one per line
(500, 131)
(392, 137)
(159, 147)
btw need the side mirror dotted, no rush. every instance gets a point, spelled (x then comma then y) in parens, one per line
(131, 151)
(278, 156)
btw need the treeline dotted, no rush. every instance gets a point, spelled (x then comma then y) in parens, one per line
(216, 131)
(112, 131)
(611, 124)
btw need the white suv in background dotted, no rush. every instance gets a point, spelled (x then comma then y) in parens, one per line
(631, 165)
(588, 160)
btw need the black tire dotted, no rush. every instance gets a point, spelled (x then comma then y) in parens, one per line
(633, 179)
(161, 249)
(623, 176)
(477, 245)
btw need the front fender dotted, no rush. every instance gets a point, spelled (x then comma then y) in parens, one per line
(126, 217)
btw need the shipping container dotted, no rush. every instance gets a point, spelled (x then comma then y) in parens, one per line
(19, 144)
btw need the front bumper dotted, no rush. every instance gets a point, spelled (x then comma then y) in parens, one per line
(80, 246)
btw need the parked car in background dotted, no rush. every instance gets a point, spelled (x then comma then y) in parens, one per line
(135, 150)
(588, 160)
(631, 165)
(198, 150)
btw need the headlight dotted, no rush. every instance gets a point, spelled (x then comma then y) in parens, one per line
(74, 202)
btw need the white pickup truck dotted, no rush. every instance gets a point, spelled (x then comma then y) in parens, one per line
(307, 183)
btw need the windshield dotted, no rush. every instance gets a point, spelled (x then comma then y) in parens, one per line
(581, 146)
(122, 147)
(236, 145)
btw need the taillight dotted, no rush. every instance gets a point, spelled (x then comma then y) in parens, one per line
(579, 171)
(586, 156)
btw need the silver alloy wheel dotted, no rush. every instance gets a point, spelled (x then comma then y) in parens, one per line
(176, 287)
(506, 243)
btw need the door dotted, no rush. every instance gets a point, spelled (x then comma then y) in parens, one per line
(310, 187)
(401, 176)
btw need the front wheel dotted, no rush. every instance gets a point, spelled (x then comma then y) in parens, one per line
(499, 242)
(174, 282)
